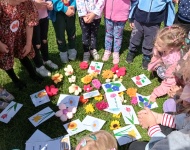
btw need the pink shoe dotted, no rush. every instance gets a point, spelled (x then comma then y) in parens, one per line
(115, 57)
(106, 56)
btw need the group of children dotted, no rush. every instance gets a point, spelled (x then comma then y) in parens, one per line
(23, 34)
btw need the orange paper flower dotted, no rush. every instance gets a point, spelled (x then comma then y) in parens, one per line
(57, 78)
(82, 100)
(72, 125)
(131, 92)
(107, 74)
(86, 79)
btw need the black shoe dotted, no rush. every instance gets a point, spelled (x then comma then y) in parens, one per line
(130, 57)
(37, 78)
(20, 84)
(145, 63)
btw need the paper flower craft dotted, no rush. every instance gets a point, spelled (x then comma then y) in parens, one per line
(75, 89)
(89, 108)
(57, 78)
(107, 74)
(96, 83)
(68, 70)
(131, 92)
(134, 101)
(82, 100)
(83, 65)
(99, 97)
(87, 88)
(101, 105)
(86, 79)
(118, 71)
(51, 90)
(65, 113)
(114, 125)
(94, 74)
(72, 79)
(116, 116)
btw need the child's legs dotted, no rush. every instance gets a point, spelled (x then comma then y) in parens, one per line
(136, 37)
(59, 27)
(94, 32)
(109, 33)
(71, 29)
(149, 37)
(44, 23)
(118, 35)
(85, 34)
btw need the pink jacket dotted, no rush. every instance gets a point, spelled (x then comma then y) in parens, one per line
(170, 61)
(117, 10)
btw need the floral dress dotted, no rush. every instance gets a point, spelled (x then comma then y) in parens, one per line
(14, 20)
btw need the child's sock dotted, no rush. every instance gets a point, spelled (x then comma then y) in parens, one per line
(115, 57)
(106, 56)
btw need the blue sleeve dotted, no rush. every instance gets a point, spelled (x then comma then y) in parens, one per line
(59, 6)
(171, 14)
(132, 8)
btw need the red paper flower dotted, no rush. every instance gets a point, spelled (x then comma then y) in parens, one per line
(87, 88)
(51, 90)
(4, 116)
(96, 83)
(118, 71)
(83, 65)
(101, 105)
(82, 100)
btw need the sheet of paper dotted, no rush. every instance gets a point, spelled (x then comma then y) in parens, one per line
(95, 67)
(141, 80)
(91, 94)
(116, 86)
(65, 143)
(68, 100)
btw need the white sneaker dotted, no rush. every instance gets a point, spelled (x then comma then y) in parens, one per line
(64, 57)
(50, 64)
(43, 71)
(72, 54)
(86, 56)
(95, 54)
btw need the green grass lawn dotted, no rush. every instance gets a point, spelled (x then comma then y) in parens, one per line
(19, 129)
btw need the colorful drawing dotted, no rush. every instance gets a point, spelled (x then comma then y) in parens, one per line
(129, 115)
(95, 67)
(141, 80)
(126, 134)
(113, 87)
(93, 124)
(91, 94)
(68, 100)
(41, 116)
(74, 127)
(39, 98)
(8, 113)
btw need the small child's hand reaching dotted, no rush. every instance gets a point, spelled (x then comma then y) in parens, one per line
(49, 5)
(174, 90)
(3, 48)
(152, 98)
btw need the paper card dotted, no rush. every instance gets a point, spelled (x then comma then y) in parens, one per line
(68, 100)
(91, 94)
(74, 127)
(129, 115)
(65, 143)
(9, 112)
(126, 134)
(141, 80)
(114, 100)
(39, 98)
(116, 86)
(95, 67)
(143, 101)
(93, 124)
(41, 116)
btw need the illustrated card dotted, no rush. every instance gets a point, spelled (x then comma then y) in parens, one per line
(9, 112)
(129, 115)
(126, 134)
(93, 124)
(68, 100)
(95, 67)
(74, 127)
(91, 94)
(39, 98)
(41, 116)
(141, 80)
(65, 143)
(114, 100)
(143, 101)
(116, 86)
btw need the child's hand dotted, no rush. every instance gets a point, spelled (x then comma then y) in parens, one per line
(70, 11)
(49, 5)
(175, 1)
(3, 48)
(27, 49)
(40, 4)
(131, 25)
(173, 90)
(152, 98)
(85, 18)
(90, 17)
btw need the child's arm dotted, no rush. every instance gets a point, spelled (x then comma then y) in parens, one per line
(3, 48)
(58, 5)
(81, 9)
(170, 14)
(99, 7)
(132, 8)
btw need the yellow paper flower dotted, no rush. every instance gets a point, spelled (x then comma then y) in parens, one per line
(86, 79)
(117, 116)
(114, 125)
(37, 118)
(89, 108)
(107, 74)
(57, 78)
(131, 92)
(132, 133)
(99, 97)
(120, 94)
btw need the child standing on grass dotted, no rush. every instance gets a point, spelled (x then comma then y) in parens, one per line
(116, 14)
(90, 13)
(145, 20)
(39, 41)
(63, 18)
(100, 140)
(16, 27)
(166, 54)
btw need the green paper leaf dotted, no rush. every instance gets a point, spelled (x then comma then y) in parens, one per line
(116, 84)
(131, 121)
(141, 104)
(109, 90)
(15, 106)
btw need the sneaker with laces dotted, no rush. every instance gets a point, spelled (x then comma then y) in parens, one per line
(50, 64)
(86, 56)
(94, 54)
(64, 57)
(115, 58)
(43, 71)
(6, 96)
(145, 62)
(106, 55)
(130, 57)
(72, 54)
(3, 105)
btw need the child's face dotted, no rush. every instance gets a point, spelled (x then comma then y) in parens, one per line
(185, 104)
(161, 46)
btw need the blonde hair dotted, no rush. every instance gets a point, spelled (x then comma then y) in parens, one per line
(103, 141)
